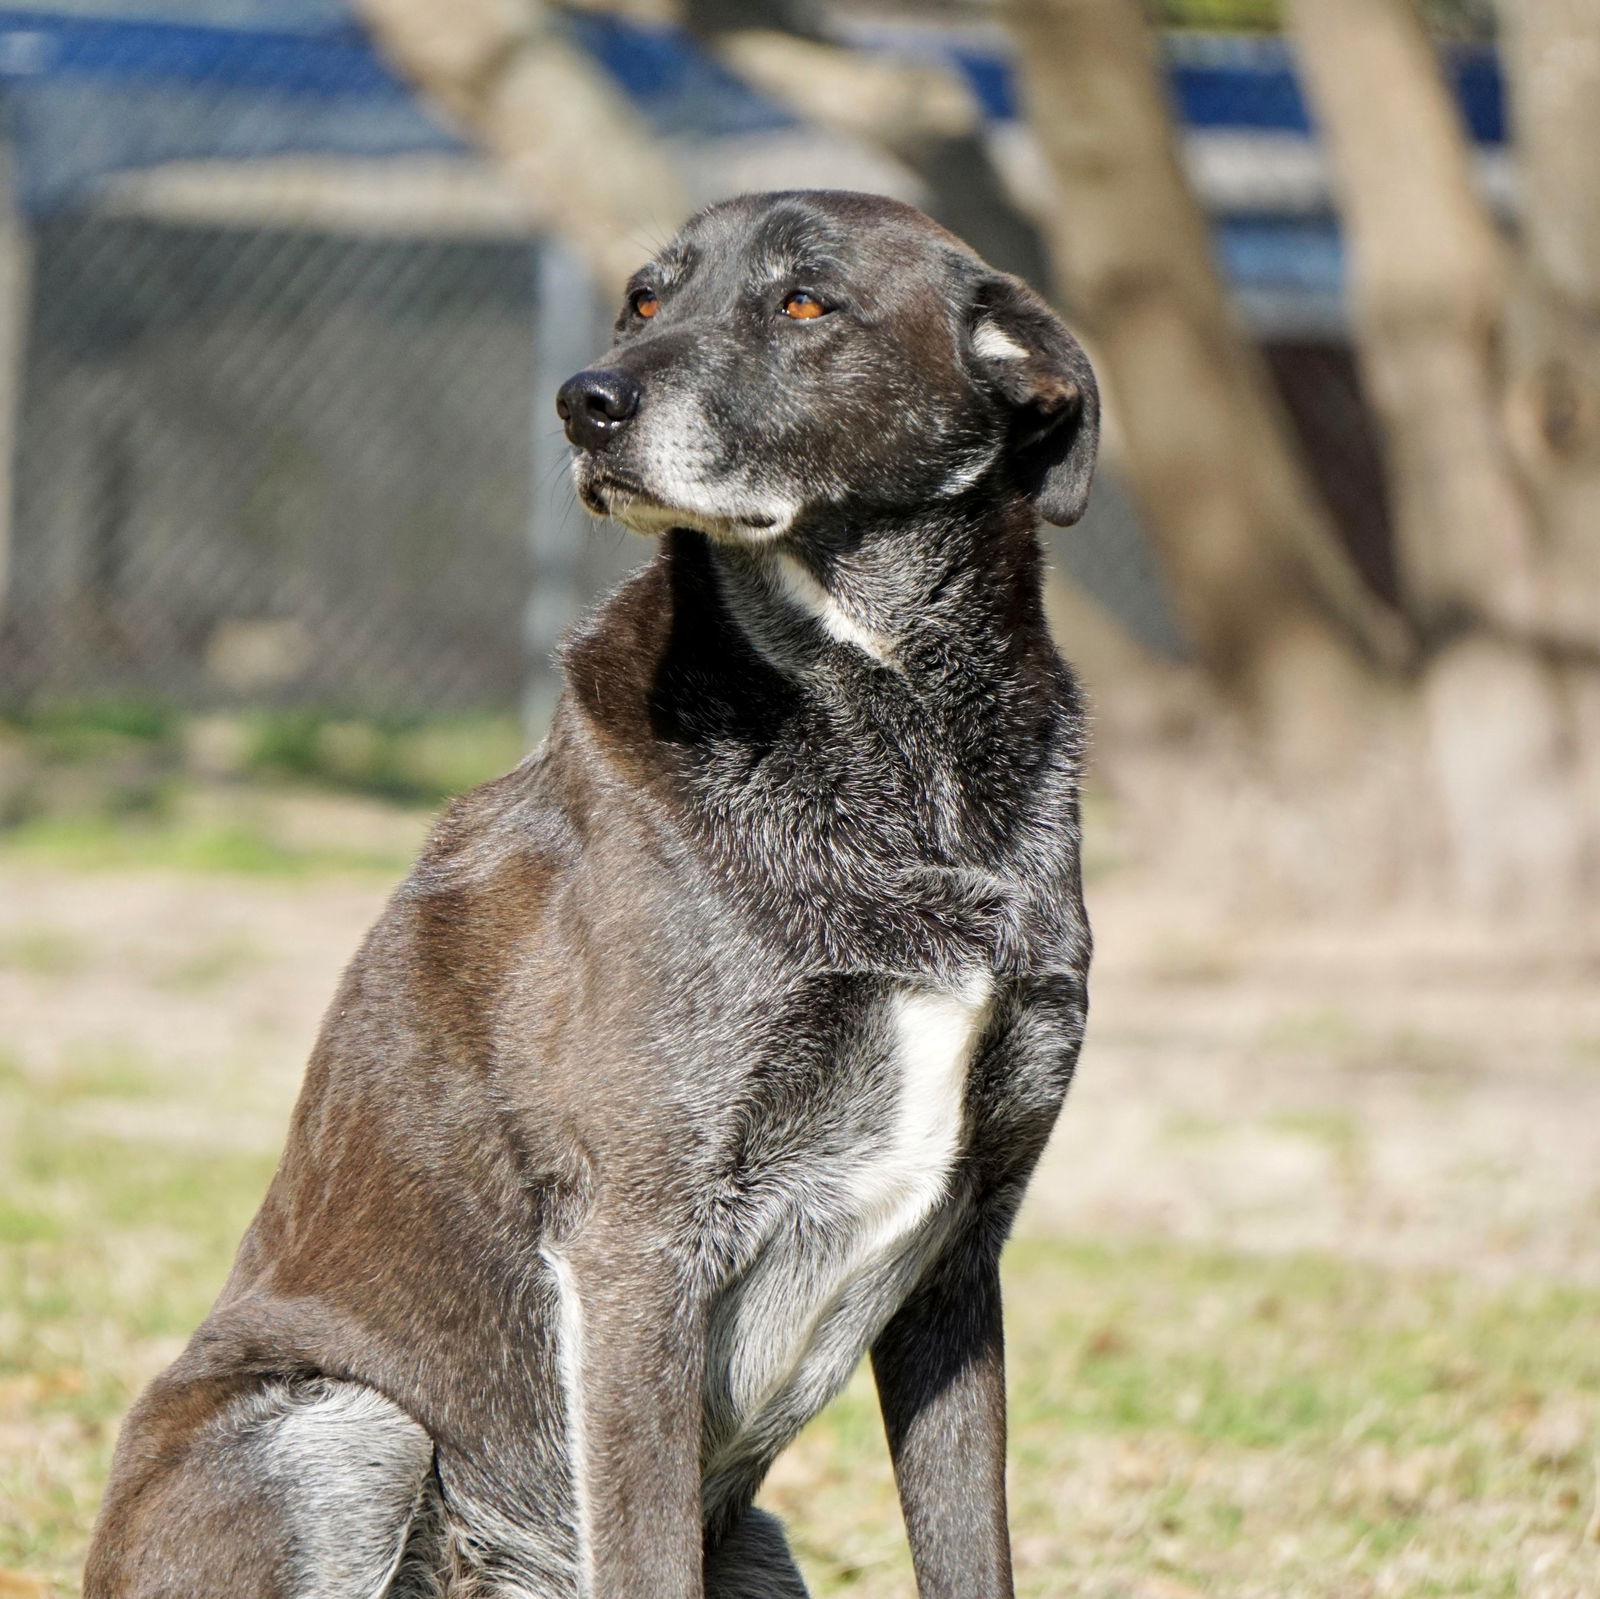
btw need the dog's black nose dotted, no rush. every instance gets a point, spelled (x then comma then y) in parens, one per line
(596, 405)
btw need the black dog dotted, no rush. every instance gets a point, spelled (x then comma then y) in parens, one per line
(714, 1046)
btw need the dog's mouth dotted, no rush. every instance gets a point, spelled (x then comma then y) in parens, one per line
(601, 488)
(608, 491)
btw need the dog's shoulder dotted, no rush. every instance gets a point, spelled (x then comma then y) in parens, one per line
(456, 928)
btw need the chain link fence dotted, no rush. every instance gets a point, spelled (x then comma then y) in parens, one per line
(277, 433)
(254, 462)
(276, 352)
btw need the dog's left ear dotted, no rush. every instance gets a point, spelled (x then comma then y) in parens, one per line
(1021, 349)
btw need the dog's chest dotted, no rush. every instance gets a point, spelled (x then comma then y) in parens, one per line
(844, 1233)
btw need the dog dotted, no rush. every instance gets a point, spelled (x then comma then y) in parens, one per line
(712, 1048)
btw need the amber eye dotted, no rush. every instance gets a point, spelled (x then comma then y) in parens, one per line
(644, 302)
(801, 305)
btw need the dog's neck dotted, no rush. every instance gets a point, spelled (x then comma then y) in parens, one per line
(921, 618)
(870, 590)
(708, 684)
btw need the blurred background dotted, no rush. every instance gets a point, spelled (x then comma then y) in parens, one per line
(1306, 1299)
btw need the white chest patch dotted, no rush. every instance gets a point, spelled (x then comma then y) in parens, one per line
(936, 1035)
(827, 1282)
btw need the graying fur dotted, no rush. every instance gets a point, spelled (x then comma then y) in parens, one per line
(712, 1048)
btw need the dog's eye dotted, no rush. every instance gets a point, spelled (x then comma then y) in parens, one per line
(644, 302)
(801, 305)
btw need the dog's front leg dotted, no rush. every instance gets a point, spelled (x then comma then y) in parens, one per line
(634, 1347)
(940, 1369)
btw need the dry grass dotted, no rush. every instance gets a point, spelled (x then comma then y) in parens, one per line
(1307, 1300)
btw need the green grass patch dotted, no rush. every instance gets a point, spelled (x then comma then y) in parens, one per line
(219, 963)
(43, 952)
(103, 843)
(116, 787)
(1230, 16)
(103, 1069)
(79, 774)
(1448, 19)
(1228, 1424)
(89, 729)
(416, 760)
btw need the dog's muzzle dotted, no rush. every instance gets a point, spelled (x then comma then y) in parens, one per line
(596, 405)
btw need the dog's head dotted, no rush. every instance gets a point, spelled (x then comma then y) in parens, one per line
(808, 353)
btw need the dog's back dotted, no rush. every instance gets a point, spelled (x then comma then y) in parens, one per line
(713, 1046)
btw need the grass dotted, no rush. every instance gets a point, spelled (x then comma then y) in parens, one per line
(213, 967)
(42, 951)
(179, 842)
(109, 786)
(1450, 19)
(1219, 1424)
(1183, 1421)
(132, 751)
(109, 1250)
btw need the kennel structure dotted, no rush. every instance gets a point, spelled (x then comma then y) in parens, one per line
(277, 350)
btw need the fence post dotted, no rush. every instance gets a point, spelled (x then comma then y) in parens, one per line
(16, 258)
(564, 340)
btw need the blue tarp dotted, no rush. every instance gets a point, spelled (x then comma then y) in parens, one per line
(86, 96)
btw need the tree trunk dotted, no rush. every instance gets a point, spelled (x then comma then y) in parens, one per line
(508, 76)
(923, 113)
(1430, 278)
(1278, 619)
(1553, 56)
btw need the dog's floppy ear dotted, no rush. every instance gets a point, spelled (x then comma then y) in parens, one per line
(1020, 348)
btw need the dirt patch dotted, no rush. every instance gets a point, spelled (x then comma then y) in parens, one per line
(1412, 1092)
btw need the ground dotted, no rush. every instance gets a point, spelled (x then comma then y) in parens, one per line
(1305, 1300)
